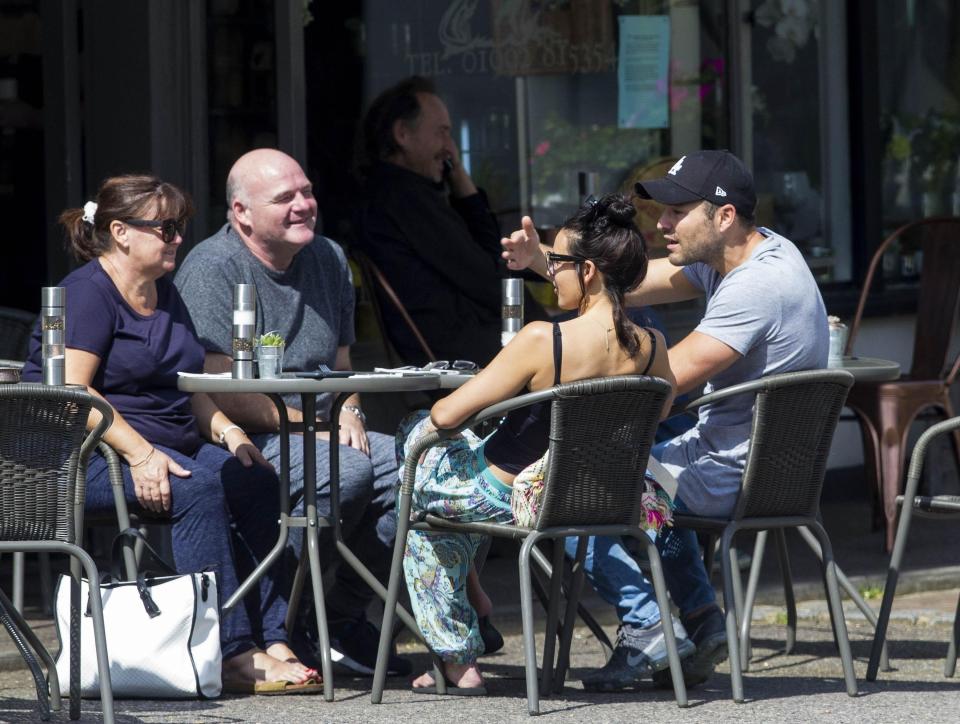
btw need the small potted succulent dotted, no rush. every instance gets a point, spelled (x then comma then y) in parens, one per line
(270, 354)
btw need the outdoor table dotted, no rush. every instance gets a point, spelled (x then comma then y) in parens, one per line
(308, 389)
(869, 369)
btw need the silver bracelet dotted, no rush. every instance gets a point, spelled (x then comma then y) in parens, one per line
(358, 412)
(223, 433)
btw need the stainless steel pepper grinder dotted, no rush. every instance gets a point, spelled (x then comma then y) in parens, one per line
(511, 310)
(244, 330)
(53, 327)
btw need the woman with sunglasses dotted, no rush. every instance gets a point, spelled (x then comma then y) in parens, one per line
(597, 258)
(127, 335)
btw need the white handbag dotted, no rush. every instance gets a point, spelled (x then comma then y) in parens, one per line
(163, 635)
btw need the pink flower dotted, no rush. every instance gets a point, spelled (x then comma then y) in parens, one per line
(542, 148)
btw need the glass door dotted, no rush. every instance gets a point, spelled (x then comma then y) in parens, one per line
(792, 106)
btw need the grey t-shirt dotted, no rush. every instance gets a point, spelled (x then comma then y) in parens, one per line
(768, 309)
(310, 303)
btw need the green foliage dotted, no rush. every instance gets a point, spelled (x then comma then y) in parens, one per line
(271, 339)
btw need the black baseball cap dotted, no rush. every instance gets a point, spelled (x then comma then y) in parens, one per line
(715, 176)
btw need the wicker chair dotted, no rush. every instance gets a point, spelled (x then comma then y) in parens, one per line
(924, 506)
(794, 417)
(44, 449)
(600, 436)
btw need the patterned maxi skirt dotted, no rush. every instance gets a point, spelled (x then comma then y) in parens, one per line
(452, 482)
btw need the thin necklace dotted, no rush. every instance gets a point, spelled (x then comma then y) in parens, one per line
(606, 332)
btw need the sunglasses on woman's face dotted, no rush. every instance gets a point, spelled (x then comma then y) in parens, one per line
(169, 228)
(554, 259)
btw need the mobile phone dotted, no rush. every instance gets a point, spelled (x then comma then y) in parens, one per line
(447, 167)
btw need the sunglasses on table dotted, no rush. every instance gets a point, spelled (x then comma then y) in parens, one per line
(554, 259)
(461, 365)
(169, 228)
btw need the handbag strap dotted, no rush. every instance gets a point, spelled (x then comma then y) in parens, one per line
(116, 557)
(149, 605)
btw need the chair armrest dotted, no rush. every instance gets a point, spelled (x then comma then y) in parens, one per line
(764, 383)
(93, 437)
(496, 410)
(920, 449)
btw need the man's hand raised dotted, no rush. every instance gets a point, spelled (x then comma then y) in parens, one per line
(522, 249)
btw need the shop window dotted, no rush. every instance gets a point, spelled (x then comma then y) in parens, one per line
(919, 88)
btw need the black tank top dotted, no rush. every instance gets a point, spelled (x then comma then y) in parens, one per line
(523, 436)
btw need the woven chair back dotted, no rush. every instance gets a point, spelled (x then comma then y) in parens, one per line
(601, 432)
(794, 418)
(41, 431)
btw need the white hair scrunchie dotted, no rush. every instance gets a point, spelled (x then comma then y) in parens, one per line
(89, 211)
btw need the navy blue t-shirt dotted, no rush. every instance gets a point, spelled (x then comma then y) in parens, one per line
(139, 355)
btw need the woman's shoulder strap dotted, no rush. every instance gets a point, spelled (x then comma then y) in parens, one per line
(653, 349)
(557, 353)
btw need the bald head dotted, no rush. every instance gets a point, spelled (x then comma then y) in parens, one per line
(271, 204)
(254, 165)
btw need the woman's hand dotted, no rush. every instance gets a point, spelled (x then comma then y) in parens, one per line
(151, 480)
(352, 432)
(245, 451)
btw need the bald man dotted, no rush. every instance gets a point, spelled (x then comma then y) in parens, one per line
(304, 292)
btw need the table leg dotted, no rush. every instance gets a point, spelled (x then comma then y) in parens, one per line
(278, 549)
(312, 534)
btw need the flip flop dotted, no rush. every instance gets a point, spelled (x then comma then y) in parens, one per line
(271, 688)
(452, 690)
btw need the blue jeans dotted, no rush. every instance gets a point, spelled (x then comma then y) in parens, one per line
(618, 579)
(224, 517)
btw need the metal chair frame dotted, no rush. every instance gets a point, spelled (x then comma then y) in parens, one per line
(936, 506)
(582, 498)
(28, 497)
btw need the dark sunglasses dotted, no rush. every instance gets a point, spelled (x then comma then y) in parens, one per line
(169, 228)
(554, 259)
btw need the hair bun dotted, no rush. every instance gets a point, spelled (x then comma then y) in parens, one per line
(617, 209)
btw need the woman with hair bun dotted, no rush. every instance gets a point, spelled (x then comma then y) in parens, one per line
(598, 257)
(128, 334)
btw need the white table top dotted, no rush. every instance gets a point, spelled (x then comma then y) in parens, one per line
(361, 382)
(870, 369)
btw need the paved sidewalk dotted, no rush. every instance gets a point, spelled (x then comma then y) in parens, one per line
(805, 686)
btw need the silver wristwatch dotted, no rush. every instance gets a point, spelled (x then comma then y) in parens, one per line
(358, 412)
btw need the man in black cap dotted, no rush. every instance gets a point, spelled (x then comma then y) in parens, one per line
(764, 315)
